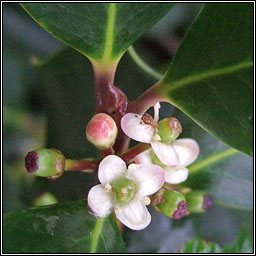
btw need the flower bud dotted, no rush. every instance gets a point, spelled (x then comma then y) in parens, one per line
(198, 201)
(171, 203)
(45, 163)
(46, 198)
(169, 129)
(101, 131)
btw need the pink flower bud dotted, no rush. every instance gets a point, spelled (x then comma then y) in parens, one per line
(101, 131)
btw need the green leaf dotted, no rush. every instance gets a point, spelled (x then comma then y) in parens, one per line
(196, 245)
(222, 171)
(101, 31)
(243, 244)
(211, 77)
(60, 228)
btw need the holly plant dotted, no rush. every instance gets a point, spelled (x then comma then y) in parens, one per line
(172, 146)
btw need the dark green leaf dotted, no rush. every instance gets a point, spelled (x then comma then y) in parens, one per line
(101, 31)
(60, 228)
(197, 245)
(211, 77)
(243, 244)
(222, 171)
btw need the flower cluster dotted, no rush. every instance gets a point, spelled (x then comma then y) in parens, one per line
(151, 179)
(126, 191)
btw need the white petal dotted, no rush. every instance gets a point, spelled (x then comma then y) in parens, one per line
(148, 177)
(136, 129)
(187, 150)
(135, 215)
(175, 175)
(99, 201)
(111, 168)
(144, 157)
(166, 153)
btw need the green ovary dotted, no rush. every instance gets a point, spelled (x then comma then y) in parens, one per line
(124, 190)
(156, 161)
(169, 129)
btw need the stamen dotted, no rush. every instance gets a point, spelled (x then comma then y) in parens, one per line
(156, 110)
(156, 137)
(108, 187)
(148, 119)
(146, 200)
(117, 209)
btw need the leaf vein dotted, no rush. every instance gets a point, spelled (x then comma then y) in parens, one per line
(210, 73)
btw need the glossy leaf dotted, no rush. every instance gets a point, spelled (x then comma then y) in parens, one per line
(60, 228)
(224, 172)
(197, 245)
(243, 244)
(211, 77)
(101, 31)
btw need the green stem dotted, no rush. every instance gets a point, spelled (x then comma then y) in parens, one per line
(143, 65)
(148, 99)
(194, 168)
(83, 165)
(96, 234)
(130, 154)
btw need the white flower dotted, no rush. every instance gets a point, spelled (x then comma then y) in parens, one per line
(187, 151)
(175, 156)
(125, 190)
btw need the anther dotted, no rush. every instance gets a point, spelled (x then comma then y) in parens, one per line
(108, 187)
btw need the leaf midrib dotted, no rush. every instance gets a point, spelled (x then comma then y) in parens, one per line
(109, 38)
(207, 74)
(194, 168)
(96, 234)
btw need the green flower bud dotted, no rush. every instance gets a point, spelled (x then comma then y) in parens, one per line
(101, 131)
(171, 203)
(198, 201)
(169, 129)
(45, 163)
(46, 198)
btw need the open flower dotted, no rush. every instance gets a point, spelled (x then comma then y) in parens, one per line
(173, 155)
(187, 151)
(125, 190)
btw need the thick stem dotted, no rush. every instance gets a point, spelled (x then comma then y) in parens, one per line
(83, 165)
(130, 154)
(110, 100)
(102, 78)
(148, 99)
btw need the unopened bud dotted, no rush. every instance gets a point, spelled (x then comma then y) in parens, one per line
(46, 198)
(101, 131)
(169, 129)
(171, 203)
(198, 201)
(45, 163)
